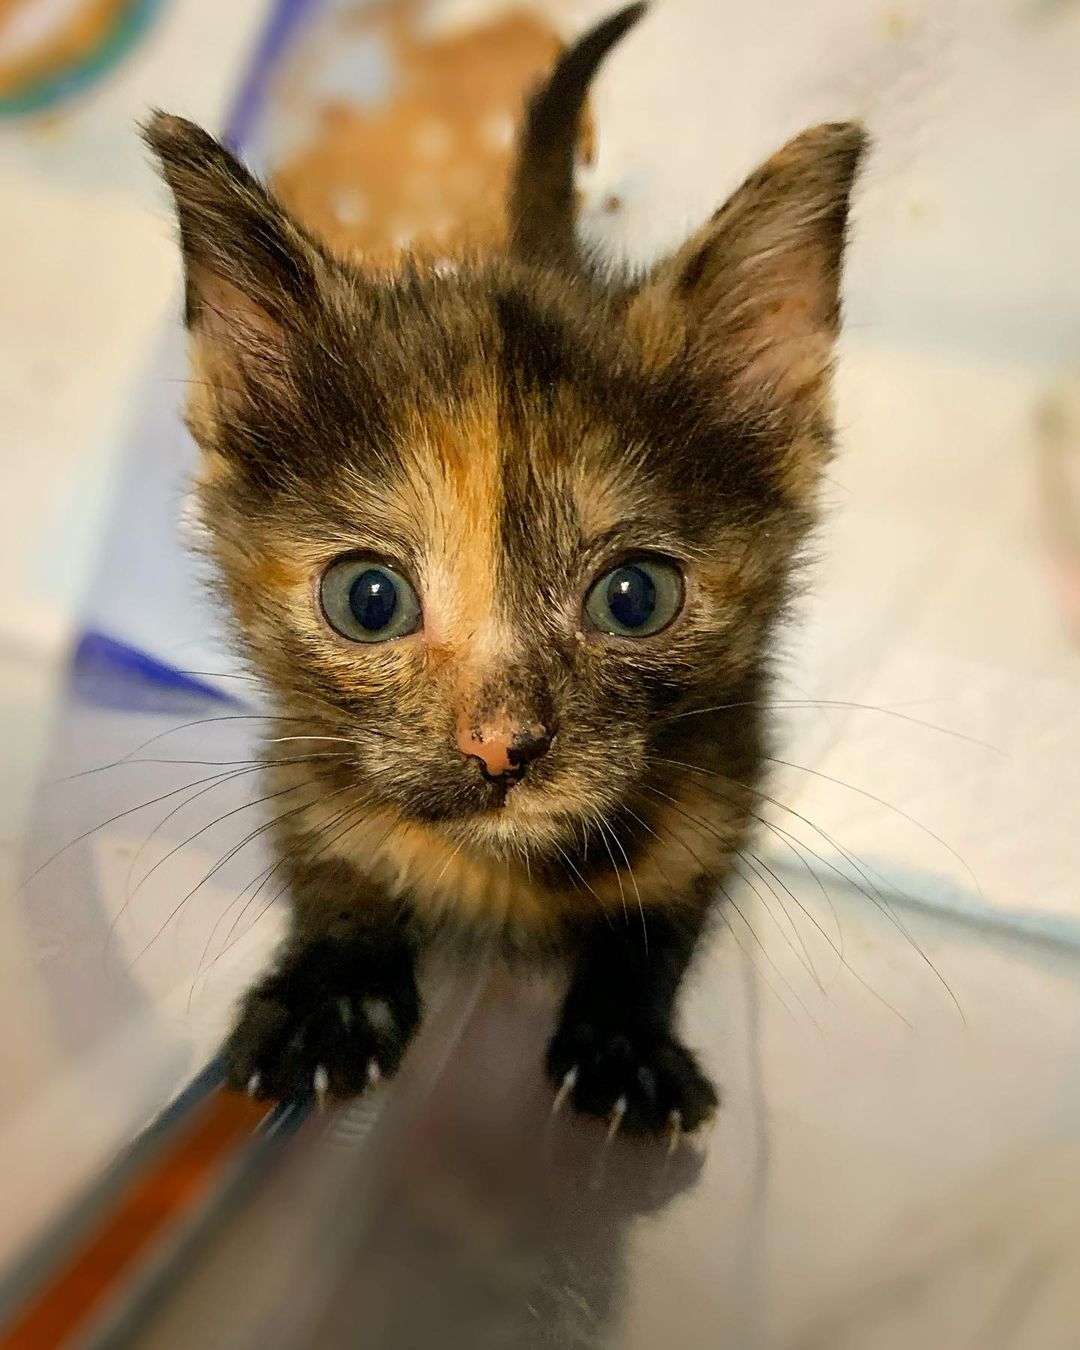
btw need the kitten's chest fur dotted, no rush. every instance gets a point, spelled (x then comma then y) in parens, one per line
(501, 895)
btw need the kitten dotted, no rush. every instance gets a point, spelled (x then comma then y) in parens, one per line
(508, 546)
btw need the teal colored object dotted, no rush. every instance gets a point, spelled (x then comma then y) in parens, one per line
(55, 88)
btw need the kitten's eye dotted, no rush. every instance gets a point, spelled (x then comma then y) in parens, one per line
(637, 599)
(366, 601)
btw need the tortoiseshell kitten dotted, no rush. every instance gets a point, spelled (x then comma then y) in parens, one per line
(510, 542)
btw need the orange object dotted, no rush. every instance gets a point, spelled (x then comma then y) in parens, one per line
(425, 170)
(172, 1187)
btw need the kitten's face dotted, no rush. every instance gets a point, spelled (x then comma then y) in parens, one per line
(464, 520)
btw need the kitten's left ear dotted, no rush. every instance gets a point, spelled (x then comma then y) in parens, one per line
(753, 298)
(249, 268)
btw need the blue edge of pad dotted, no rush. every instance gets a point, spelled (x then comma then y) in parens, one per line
(97, 653)
(101, 662)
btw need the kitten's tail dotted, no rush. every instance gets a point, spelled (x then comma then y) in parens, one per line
(541, 203)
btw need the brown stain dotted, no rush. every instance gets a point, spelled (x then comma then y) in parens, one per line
(919, 212)
(428, 169)
(897, 25)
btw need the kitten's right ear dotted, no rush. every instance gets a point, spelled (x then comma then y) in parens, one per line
(753, 298)
(247, 264)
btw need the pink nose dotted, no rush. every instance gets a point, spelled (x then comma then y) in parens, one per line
(503, 747)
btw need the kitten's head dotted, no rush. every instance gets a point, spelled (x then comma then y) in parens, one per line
(497, 526)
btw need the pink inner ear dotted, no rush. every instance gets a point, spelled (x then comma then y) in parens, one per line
(781, 329)
(787, 351)
(233, 335)
(756, 289)
(229, 316)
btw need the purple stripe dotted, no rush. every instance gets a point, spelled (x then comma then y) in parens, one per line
(100, 662)
(248, 102)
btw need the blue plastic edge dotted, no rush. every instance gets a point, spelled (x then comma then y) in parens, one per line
(95, 653)
(284, 19)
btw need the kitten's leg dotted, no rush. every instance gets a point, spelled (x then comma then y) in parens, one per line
(341, 1005)
(615, 1053)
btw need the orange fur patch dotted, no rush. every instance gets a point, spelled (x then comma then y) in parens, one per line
(452, 492)
(657, 327)
(445, 880)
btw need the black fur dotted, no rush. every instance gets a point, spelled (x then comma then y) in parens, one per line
(616, 1033)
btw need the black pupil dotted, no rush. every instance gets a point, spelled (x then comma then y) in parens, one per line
(373, 599)
(631, 597)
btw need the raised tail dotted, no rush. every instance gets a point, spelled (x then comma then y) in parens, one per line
(541, 202)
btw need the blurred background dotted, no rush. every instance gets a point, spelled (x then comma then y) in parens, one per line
(932, 682)
(89, 276)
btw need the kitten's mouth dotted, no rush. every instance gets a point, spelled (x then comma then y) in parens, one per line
(490, 803)
(488, 799)
(498, 806)
(519, 808)
(501, 788)
(502, 801)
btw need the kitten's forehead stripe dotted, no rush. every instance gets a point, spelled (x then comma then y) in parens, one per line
(453, 476)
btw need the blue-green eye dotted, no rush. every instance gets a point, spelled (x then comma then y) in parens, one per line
(366, 601)
(637, 599)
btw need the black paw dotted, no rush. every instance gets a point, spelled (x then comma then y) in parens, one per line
(643, 1082)
(309, 1029)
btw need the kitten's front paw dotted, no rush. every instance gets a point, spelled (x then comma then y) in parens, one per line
(289, 1042)
(643, 1082)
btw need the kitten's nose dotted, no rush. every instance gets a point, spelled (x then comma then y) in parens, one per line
(504, 748)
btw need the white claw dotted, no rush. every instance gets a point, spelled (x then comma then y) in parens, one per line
(320, 1081)
(374, 1073)
(253, 1085)
(616, 1118)
(674, 1131)
(565, 1088)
